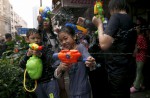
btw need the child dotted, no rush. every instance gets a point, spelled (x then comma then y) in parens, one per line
(47, 84)
(140, 54)
(79, 86)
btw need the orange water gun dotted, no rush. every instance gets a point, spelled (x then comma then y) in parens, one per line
(98, 9)
(35, 46)
(67, 56)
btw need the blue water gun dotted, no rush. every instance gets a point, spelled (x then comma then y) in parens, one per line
(77, 28)
(45, 13)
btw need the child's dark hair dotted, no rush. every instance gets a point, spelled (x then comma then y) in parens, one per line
(118, 5)
(31, 31)
(68, 30)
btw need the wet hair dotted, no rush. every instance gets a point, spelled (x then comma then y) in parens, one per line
(67, 30)
(118, 5)
(8, 35)
(32, 31)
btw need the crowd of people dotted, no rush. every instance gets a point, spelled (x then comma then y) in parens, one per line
(111, 64)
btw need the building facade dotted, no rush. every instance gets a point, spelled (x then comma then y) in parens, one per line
(5, 23)
(71, 7)
(16, 21)
(35, 14)
(9, 19)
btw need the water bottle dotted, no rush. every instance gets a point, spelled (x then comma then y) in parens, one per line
(105, 23)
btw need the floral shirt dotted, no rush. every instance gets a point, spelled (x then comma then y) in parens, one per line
(141, 48)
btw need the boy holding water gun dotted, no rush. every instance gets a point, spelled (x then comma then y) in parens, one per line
(47, 85)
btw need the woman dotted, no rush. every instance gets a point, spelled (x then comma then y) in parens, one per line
(50, 40)
(118, 41)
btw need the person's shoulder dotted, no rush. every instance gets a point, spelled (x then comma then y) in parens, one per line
(114, 16)
(119, 15)
(80, 45)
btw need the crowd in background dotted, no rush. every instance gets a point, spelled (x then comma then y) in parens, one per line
(99, 77)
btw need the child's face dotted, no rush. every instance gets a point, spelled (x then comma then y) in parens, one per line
(34, 38)
(66, 40)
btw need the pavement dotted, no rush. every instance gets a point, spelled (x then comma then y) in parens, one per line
(142, 94)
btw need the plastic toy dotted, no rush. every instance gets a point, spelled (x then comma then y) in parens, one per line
(35, 46)
(98, 9)
(77, 28)
(34, 67)
(45, 13)
(67, 56)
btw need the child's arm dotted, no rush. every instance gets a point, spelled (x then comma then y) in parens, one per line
(89, 60)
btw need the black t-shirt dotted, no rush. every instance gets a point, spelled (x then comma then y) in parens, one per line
(120, 28)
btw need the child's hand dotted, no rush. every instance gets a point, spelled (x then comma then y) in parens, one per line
(61, 69)
(97, 21)
(34, 52)
(63, 66)
(81, 21)
(30, 52)
(37, 53)
(90, 62)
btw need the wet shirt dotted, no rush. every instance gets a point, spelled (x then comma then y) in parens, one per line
(78, 75)
(120, 28)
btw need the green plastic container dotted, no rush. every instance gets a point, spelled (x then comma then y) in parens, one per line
(34, 67)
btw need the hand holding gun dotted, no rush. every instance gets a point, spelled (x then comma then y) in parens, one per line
(34, 49)
(72, 56)
(34, 66)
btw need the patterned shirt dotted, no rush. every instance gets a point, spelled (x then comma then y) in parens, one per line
(141, 48)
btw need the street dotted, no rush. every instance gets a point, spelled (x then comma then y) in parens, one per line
(142, 94)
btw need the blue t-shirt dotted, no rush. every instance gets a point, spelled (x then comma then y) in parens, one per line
(78, 75)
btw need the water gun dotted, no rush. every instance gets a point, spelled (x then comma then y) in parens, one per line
(67, 56)
(77, 28)
(35, 46)
(34, 67)
(98, 9)
(45, 13)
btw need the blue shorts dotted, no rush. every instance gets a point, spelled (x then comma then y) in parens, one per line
(48, 89)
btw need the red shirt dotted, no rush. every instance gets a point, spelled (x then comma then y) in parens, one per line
(141, 48)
